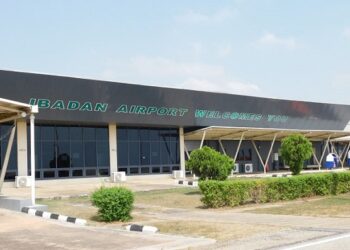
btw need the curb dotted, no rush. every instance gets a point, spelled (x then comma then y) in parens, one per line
(52, 216)
(187, 183)
(141, 228)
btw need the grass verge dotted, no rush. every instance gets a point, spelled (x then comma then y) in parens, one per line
(330, 206)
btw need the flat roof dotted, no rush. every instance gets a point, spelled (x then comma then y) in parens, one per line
(260, 134)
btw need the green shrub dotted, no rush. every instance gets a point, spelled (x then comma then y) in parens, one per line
(113, 203)
(295, 149)
(209, 164)
(236, 192)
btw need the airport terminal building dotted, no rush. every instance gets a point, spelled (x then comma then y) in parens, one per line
(89, 128)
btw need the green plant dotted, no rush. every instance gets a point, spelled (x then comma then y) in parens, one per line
(295, 149)
(237, 192)
(113, 203)
(209, 164)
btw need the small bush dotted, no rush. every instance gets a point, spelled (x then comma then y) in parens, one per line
(113, 203)
(209, 164)
(236, 192)
(295, 149)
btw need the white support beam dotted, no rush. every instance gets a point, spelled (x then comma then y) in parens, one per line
(345, 154)
(324, 151)
(182, 150)
(32, 157)
(113, 153)
(232, 134)
(22, 148)
(7, 156)
(203, 137)
(222, 147)
(259, 156)
(315, 157)
(10, 109)
(263, 135)
(186, 150)
(239, 146)
(268, 155)
(342, 153)
(15, 117)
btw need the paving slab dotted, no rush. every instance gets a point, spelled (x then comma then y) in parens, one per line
(19, 231)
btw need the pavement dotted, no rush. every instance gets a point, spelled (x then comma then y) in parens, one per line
(20, 231)
(84, 186)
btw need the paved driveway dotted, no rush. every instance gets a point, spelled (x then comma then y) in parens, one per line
(20, 231)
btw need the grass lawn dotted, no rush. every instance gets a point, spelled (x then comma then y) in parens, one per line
(329, 206)
(149, 204)
(172, 198)
(81, 207)
(218, 231)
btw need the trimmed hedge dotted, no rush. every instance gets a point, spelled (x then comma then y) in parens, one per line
(237, 192)
(114, 203)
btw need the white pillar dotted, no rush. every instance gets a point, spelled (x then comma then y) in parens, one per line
(22, 154)
(32, 156)
(113, 160)
(182, 149)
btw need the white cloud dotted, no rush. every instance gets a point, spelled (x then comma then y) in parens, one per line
(341, 80)
(270, 39)
(224, 50)
(197, 48)
(346, 32)
(171, 73)
(160, 67)
(191, 16)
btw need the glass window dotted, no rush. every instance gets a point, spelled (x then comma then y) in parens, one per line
(63, 173)
(133, 134)
(90, 172)
(77, 155)
(63, 154)
(122, 134)
(89, 134)
(103, 172)
(134, 153)
(77, 172)
(165, 152)
(145, 153)
(154, 135)
(102, 153)
(123, 153)
(48, 155)
(144, 134)
(155, 153)
(145, 170)
(90, 154)
(62, 133)
(47, 133)
(76, 133)
(101, 134)
(49, 174)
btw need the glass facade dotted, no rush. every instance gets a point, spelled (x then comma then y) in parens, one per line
(148, 150)
(70, 151)
(11, 172)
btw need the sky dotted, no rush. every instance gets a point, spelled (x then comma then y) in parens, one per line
(286, 49)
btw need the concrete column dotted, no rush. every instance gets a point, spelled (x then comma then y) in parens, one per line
(182, 149)
(113, 161)
(22, 153)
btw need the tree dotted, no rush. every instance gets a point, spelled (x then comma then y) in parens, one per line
(295, 149)
(209, 164)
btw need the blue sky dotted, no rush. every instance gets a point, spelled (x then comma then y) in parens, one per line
(292, 49)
